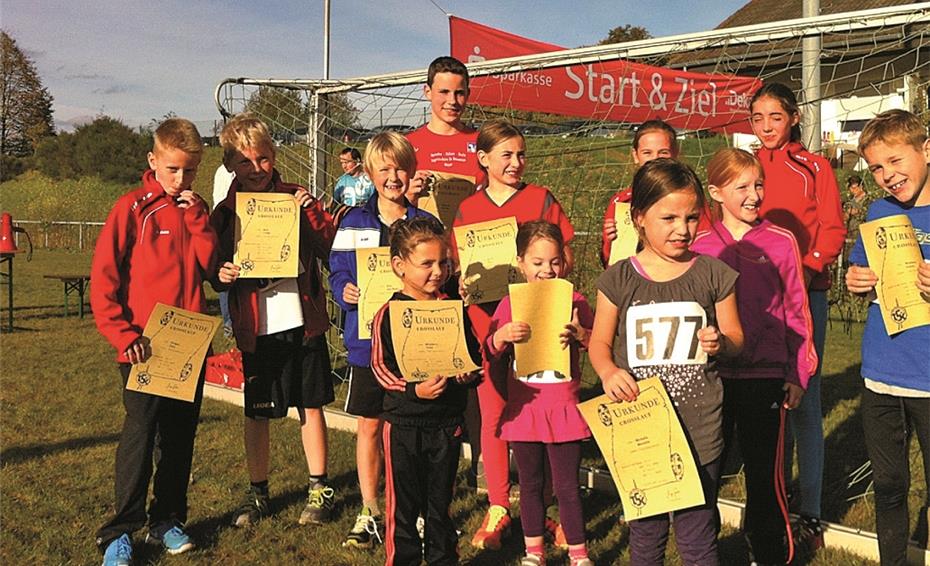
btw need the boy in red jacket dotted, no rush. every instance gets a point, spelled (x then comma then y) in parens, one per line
(279, 325)
(156, 246)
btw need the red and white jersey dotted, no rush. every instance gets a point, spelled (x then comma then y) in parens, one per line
(456, 154)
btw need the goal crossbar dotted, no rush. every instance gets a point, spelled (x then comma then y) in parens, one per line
(909, 14)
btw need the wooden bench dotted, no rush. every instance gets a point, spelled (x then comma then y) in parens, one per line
(74, 284)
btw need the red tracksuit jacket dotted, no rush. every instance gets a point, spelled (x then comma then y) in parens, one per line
(149, 251)
(801, 195)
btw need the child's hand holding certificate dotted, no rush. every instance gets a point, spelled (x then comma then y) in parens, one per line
(894, 255)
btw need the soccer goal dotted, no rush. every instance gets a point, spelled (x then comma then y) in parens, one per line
(869, 61)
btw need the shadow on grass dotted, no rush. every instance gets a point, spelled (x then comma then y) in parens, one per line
(207, 531)
(46, 312)
(837, 388)
(20, 454)
(844, 446)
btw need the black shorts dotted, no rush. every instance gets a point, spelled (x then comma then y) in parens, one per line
(365, 397)
(286, 371)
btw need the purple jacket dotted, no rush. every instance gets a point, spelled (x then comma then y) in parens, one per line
(772, 302)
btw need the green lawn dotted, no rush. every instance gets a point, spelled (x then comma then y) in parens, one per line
(60, 415)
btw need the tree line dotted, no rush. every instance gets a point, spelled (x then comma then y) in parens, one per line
(109, 149)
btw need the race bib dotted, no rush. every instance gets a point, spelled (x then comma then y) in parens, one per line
(665, 333)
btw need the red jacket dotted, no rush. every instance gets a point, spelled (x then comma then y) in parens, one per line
(801, 195)
(149, 251)
(316, 238)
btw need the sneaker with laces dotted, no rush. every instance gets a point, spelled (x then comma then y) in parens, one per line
(118, 552)
(808, 534)
(320, 502)
(494, 529)
(255, 507)
(171, 536)
(364, 534)
(533, 560)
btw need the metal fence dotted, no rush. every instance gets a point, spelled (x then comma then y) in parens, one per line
(58, 234)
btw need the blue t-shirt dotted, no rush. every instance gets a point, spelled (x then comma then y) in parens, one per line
(901, 359)
(353, 191)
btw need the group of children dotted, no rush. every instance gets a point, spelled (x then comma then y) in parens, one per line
(742, 294)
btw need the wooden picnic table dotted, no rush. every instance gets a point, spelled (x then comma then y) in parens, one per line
(74, 283)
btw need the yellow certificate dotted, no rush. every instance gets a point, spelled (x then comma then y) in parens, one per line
(627, 236)
(267, 235)
(444, 192)
(179, 340)
(894, 254)
(376, 283)
(646, 450)
(547, 307)
(488, 256)
(429, 339)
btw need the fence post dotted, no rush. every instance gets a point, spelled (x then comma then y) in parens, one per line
(81, 236)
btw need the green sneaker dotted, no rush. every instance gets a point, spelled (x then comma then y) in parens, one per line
(364, 533)
(253, 508)
(320, 502)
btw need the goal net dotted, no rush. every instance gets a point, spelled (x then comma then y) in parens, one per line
(869, 61)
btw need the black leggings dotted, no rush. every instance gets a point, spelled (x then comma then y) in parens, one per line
(888, 422)
(564, 459)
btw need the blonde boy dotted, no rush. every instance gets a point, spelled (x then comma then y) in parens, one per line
(390, 162)
(155, 247)
(285, 357)
(895, 369)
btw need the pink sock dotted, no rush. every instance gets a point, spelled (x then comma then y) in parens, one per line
(537, 549)
(576, 554)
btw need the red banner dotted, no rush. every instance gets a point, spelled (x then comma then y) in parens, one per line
(619, 91)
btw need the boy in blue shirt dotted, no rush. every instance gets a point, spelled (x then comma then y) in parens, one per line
(895, 368)
(391, 163)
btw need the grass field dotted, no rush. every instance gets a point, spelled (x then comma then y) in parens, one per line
(61, 415)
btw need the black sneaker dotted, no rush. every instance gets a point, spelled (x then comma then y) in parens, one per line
(808, 534)
(364, 534)
(320, 502)
(253, 508)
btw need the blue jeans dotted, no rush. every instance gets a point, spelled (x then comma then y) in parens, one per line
(224, 308)
(805, 424)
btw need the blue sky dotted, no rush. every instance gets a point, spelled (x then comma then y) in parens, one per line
(137, 60)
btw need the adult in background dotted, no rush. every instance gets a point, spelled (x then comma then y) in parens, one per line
(222, 179)
(354, 187)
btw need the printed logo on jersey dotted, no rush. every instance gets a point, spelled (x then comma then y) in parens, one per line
(472, 147)
(923, 238)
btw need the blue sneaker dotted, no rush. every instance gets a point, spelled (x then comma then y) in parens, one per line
(118, 552)
(175, 540)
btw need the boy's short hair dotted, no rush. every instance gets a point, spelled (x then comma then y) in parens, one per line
(356, 155)
(446, 65)
(178, 133)
(394, 146)
(893, 126)
(244, 131)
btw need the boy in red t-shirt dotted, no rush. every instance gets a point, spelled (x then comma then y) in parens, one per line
(445, 144)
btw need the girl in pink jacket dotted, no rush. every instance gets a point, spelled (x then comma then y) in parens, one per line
(778, 357)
